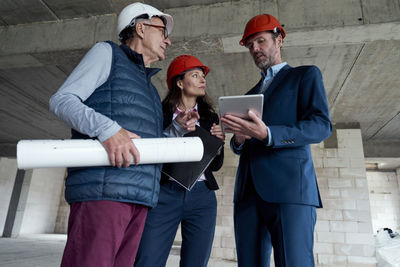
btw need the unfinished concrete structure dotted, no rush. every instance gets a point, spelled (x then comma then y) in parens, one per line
(355, 43)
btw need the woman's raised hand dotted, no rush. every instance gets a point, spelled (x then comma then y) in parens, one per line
(187, 120)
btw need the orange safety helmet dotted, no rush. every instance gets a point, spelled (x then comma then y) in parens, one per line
(183, 63)
(260, 23)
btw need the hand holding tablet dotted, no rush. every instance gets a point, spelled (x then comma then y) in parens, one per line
(240, 105)
(242, 116)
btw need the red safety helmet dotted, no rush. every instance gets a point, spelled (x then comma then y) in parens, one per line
(181, 64)
(260, 23)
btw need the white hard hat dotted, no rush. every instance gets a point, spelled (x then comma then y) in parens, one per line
(132, 11)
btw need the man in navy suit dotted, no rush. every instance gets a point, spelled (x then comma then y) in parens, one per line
(276, 191)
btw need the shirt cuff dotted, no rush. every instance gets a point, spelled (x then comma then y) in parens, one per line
(269, 141)
(236, 147)
(109, 132)
(179, 128)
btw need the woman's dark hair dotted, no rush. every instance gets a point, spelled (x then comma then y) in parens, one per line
(174, 95)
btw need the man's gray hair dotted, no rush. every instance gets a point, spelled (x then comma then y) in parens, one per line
(130, 31)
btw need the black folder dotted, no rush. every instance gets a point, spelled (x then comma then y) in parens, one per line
(187, 173)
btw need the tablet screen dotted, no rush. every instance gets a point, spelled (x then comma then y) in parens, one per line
(240, 105)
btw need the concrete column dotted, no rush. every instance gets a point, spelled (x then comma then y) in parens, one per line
(344, 234)
(8, 171)
(62, 215)
(398, 177)
(42, 201)
(34, 202)
(17, 204)
(224, 239)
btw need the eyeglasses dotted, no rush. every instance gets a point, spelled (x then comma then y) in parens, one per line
(164, 29)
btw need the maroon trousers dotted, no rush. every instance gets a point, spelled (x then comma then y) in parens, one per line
(103, 233)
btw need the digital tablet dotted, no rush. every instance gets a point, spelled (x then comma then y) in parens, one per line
(239, 105)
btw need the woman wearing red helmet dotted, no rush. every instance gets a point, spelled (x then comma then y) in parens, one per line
(185, 106)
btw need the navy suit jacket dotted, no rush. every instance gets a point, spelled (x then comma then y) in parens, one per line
(296, 112)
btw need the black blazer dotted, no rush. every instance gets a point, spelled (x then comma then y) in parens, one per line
(206, 121)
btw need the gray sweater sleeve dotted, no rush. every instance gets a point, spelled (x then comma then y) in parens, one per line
(174, 130)
(67, 103)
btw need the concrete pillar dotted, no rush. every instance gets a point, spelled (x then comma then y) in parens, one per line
(8, 171)
(17, 204)
(62, 215)
(398, 177)
(34, 202)
(42, 201)
(343, 232)
(224, 239)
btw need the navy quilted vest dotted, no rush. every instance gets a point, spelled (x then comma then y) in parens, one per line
(129, 98)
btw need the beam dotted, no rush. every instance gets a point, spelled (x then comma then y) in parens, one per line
(202, 45)
(382, 149)
(62, 35)
(84, 32)
(334, 36)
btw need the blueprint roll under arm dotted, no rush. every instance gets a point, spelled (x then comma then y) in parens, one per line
(87, 152)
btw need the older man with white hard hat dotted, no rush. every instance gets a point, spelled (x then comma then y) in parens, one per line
(109, 96)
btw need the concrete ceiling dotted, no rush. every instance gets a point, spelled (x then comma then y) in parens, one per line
(355, 43)
(13, 12)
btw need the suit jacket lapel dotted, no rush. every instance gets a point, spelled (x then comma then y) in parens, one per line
(255, 89)
(275, 82)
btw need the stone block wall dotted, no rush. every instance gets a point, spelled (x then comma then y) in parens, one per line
(224, 239)
(385, 199)
(343, 234)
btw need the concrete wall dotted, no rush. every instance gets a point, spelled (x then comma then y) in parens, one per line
(224, 239)
(385, 199)
(344, 234)
(8, 171)
(42, 201)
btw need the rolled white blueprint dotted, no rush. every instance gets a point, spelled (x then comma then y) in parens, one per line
(88, 152)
